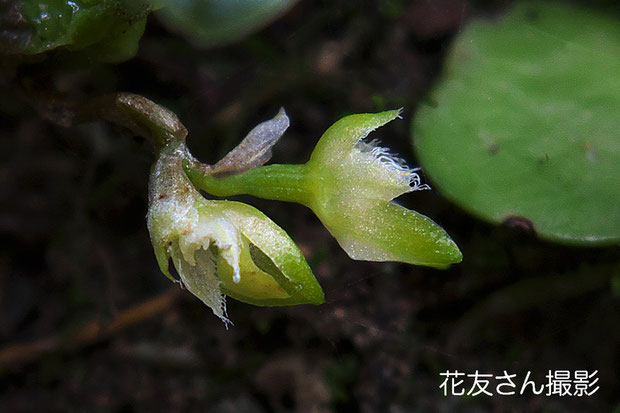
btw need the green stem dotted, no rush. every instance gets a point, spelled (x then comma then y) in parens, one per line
(277, 182)
(143, 117)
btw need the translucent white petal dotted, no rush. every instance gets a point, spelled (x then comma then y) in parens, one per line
(201, 279)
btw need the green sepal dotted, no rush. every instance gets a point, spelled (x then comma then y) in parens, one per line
(275, 257)
(390, 232)
(163, 260)
(339, 138)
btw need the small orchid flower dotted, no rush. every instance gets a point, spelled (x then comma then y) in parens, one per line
(350, 185)
(353, 182)
(222, 248)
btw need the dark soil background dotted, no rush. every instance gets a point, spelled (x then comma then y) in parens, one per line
(88, 322)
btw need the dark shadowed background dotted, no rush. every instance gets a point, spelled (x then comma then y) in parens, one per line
(88, 322)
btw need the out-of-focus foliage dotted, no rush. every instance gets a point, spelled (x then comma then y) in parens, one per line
(110, 30)
(217, 22)
(524, 127)
(106, 30)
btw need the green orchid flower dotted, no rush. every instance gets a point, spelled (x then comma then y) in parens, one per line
(222, 248)
(350, 185)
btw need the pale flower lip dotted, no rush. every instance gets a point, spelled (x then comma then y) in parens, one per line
(177, 230)
(222, 248)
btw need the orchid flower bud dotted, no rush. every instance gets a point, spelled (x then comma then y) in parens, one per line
(221, 247)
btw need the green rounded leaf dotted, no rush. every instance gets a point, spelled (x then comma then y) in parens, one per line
(525, 126)
(219, 22)
(106, 30)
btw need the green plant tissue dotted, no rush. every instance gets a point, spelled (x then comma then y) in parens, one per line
(524, 127)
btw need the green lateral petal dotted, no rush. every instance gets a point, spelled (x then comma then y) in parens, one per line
(272, 251)
(256, 286)
(390, 232)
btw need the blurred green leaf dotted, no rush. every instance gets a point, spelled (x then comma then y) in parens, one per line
(615, 284)
(525, 129)
(218, 22)
(108, 30)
